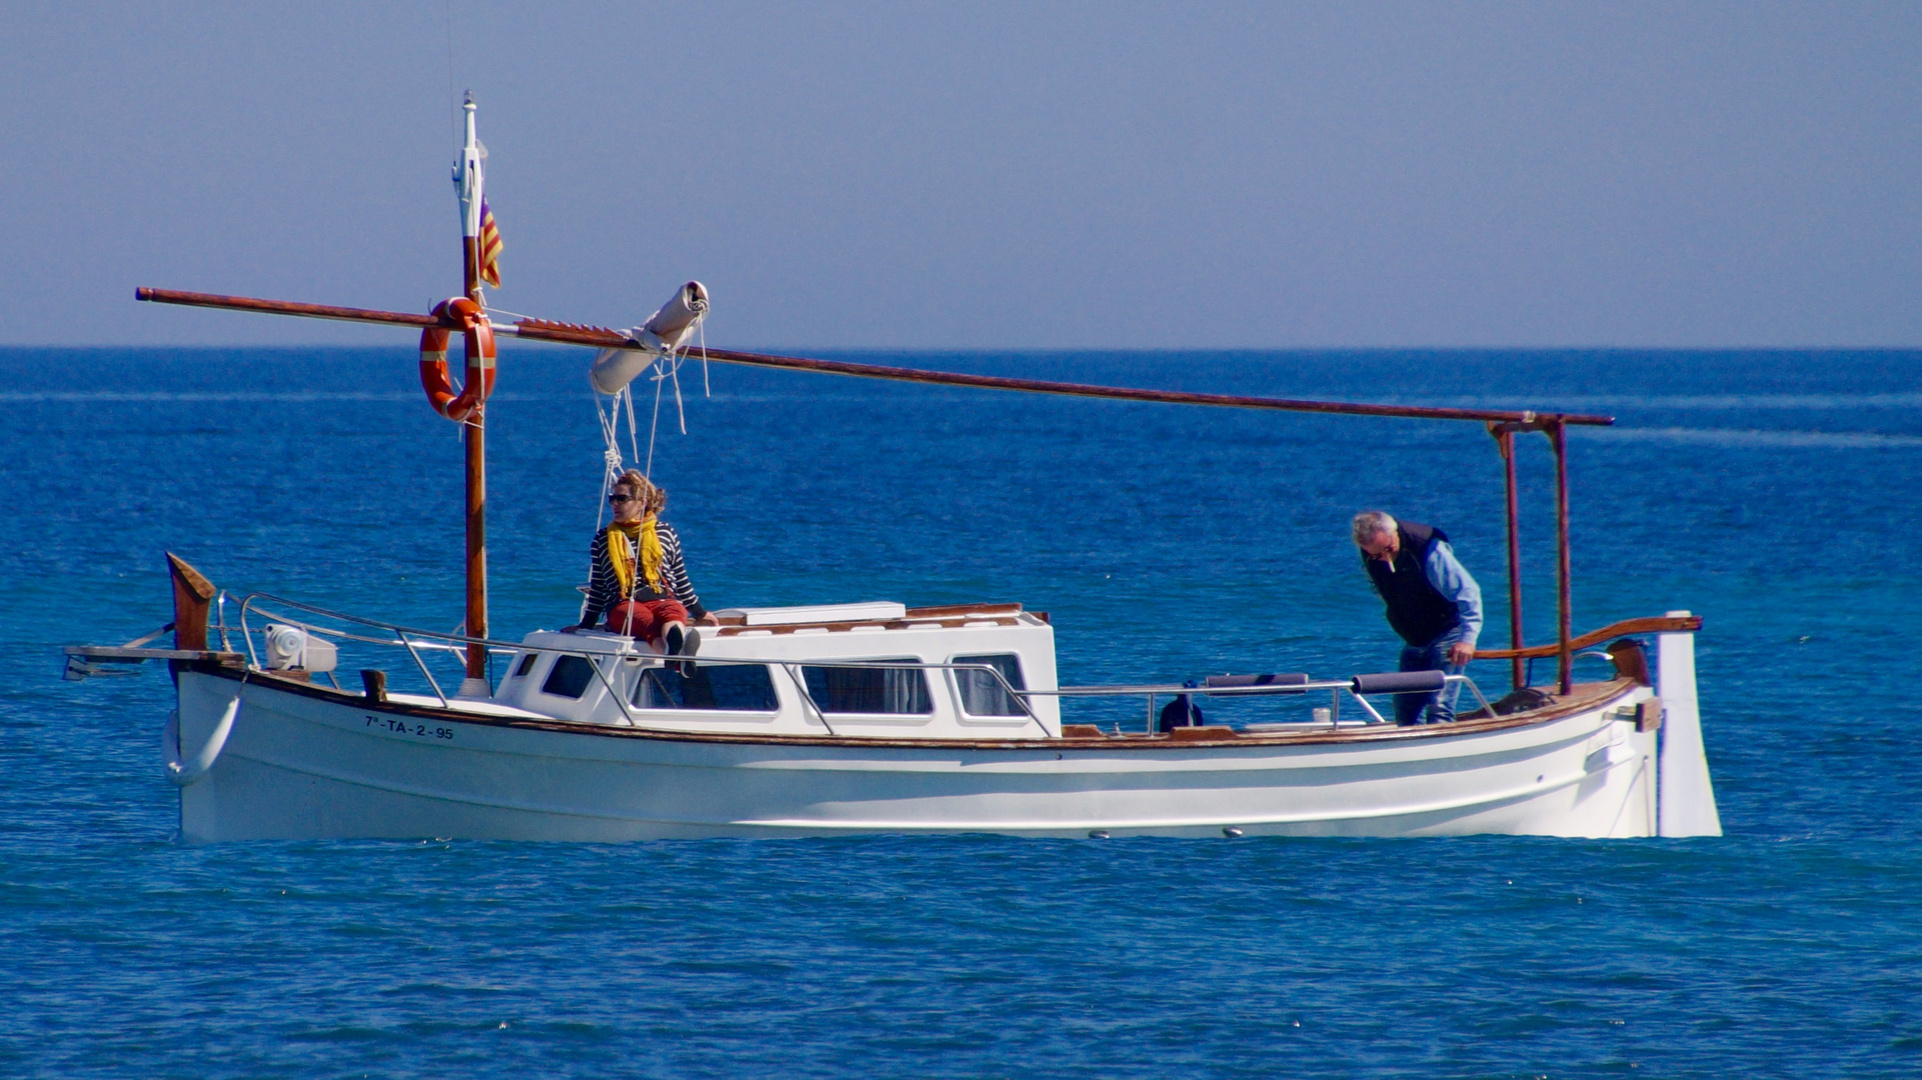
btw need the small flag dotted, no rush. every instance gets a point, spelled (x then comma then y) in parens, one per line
(490, 247)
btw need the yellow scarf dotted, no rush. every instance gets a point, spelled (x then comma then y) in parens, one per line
(645, 539)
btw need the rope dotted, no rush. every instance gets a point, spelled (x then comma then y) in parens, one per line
(633, 429)
(700, 328)
(652, 428)
(610, 420)
(666, 368)
(680, 408)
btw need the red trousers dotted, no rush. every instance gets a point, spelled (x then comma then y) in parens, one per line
(645, 619)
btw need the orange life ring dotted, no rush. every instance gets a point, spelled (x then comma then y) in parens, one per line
(478, 337)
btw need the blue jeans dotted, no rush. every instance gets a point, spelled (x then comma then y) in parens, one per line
(1440, 705)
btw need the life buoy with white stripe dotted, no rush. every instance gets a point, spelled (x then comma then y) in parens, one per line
(478, 337)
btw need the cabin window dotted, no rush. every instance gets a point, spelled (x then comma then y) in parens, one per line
(982, 694)
(526, 665)
(729, 687)
(875, 688)
(569, 678)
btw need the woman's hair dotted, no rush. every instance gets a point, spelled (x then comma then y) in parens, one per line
(653, 499)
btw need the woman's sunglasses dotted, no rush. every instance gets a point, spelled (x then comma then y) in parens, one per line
(623, 498)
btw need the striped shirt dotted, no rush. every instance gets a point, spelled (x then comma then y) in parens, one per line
(604, 586)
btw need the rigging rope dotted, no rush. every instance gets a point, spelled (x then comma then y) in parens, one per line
(665, 368)
(633, 429)
(652, 428)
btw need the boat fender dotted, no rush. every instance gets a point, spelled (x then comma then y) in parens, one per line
(1400, 682)
(477, 334)
(184, 772)
(1225, 682)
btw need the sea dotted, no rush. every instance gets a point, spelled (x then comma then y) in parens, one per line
(1777, 494)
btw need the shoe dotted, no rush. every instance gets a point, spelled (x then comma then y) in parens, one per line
(679, 641)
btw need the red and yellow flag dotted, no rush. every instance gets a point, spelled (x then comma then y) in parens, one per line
(490, 247)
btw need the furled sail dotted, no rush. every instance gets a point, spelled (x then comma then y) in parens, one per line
(665, 331)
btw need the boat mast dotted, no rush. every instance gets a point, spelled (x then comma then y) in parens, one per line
(469, 182)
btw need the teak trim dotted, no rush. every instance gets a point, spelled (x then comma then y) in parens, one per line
(909, 623)
(1651, 625)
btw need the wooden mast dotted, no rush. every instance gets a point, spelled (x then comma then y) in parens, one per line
(469, 179)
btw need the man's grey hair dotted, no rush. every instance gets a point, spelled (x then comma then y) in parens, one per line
(1369, 522)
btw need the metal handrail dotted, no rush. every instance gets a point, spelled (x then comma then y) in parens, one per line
(807, 696)
(404, 638)
(411, 651)
(1337, 686)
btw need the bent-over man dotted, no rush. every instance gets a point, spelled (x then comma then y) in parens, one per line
(1433, 603)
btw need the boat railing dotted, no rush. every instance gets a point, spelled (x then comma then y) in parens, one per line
(410, 638)
(1357, 688)
(416, 639)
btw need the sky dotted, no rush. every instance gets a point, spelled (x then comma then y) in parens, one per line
(981, 175)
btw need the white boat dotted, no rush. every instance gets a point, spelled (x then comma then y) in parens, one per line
(864, 717)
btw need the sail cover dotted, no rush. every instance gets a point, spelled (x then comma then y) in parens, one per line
(665, 331)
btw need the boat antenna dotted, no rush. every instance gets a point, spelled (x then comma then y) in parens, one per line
(453, 102)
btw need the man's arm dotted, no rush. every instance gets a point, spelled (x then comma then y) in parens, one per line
(1452, 580)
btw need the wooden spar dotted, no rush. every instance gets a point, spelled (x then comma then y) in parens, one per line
(1168, 397)
(602, 338)
(288, 307)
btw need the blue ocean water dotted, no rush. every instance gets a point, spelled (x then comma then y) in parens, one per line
(1774, 493)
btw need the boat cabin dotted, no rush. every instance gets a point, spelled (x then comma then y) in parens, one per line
(874, 669)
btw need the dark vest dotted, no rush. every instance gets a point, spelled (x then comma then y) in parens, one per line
(1416, 611)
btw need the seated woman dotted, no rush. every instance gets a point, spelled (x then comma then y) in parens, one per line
(639, 581)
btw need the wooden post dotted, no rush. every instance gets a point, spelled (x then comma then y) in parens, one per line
(193, 593)
(1518, 668)
(1558, 434)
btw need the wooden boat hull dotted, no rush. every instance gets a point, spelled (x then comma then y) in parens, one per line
(305, 762)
